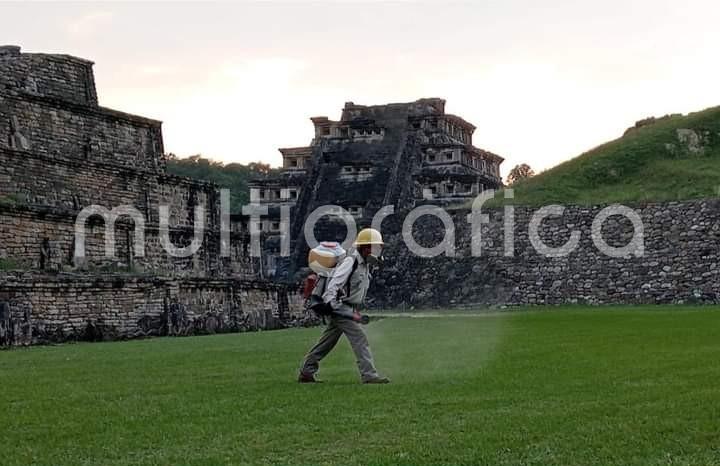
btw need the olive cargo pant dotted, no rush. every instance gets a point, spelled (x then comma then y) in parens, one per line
(355, 335)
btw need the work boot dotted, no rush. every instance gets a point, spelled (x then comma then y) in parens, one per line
(378, 380)
(307, 378)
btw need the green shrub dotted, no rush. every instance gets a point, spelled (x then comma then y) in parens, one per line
(11, 200)
(8, 264)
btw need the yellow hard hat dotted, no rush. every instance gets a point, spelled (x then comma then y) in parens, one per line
(368, 236)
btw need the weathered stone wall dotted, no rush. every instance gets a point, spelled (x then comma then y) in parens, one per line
(680, 262)
(53, 76)
(33, 238)
(56, 181)
(42, 309)
(79, 132)
(25, 233)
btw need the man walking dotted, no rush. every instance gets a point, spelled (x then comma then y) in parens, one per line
(345, 292)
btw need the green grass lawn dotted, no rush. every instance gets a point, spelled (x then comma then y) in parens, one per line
(553, 387)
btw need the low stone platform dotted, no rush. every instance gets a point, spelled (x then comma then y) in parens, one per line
(37, 308)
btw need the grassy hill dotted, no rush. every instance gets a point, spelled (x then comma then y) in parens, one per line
(671, 158)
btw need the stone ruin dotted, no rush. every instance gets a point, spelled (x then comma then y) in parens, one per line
(61, 152)
(404, 155)
(414, 154)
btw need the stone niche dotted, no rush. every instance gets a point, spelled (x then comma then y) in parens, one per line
(350, 173)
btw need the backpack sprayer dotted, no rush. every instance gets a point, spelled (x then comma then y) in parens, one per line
(323, 260)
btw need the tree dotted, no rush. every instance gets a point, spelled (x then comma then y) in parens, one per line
(234, 176)
(519, 173)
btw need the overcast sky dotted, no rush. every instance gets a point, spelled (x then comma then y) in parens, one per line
(543, 81)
